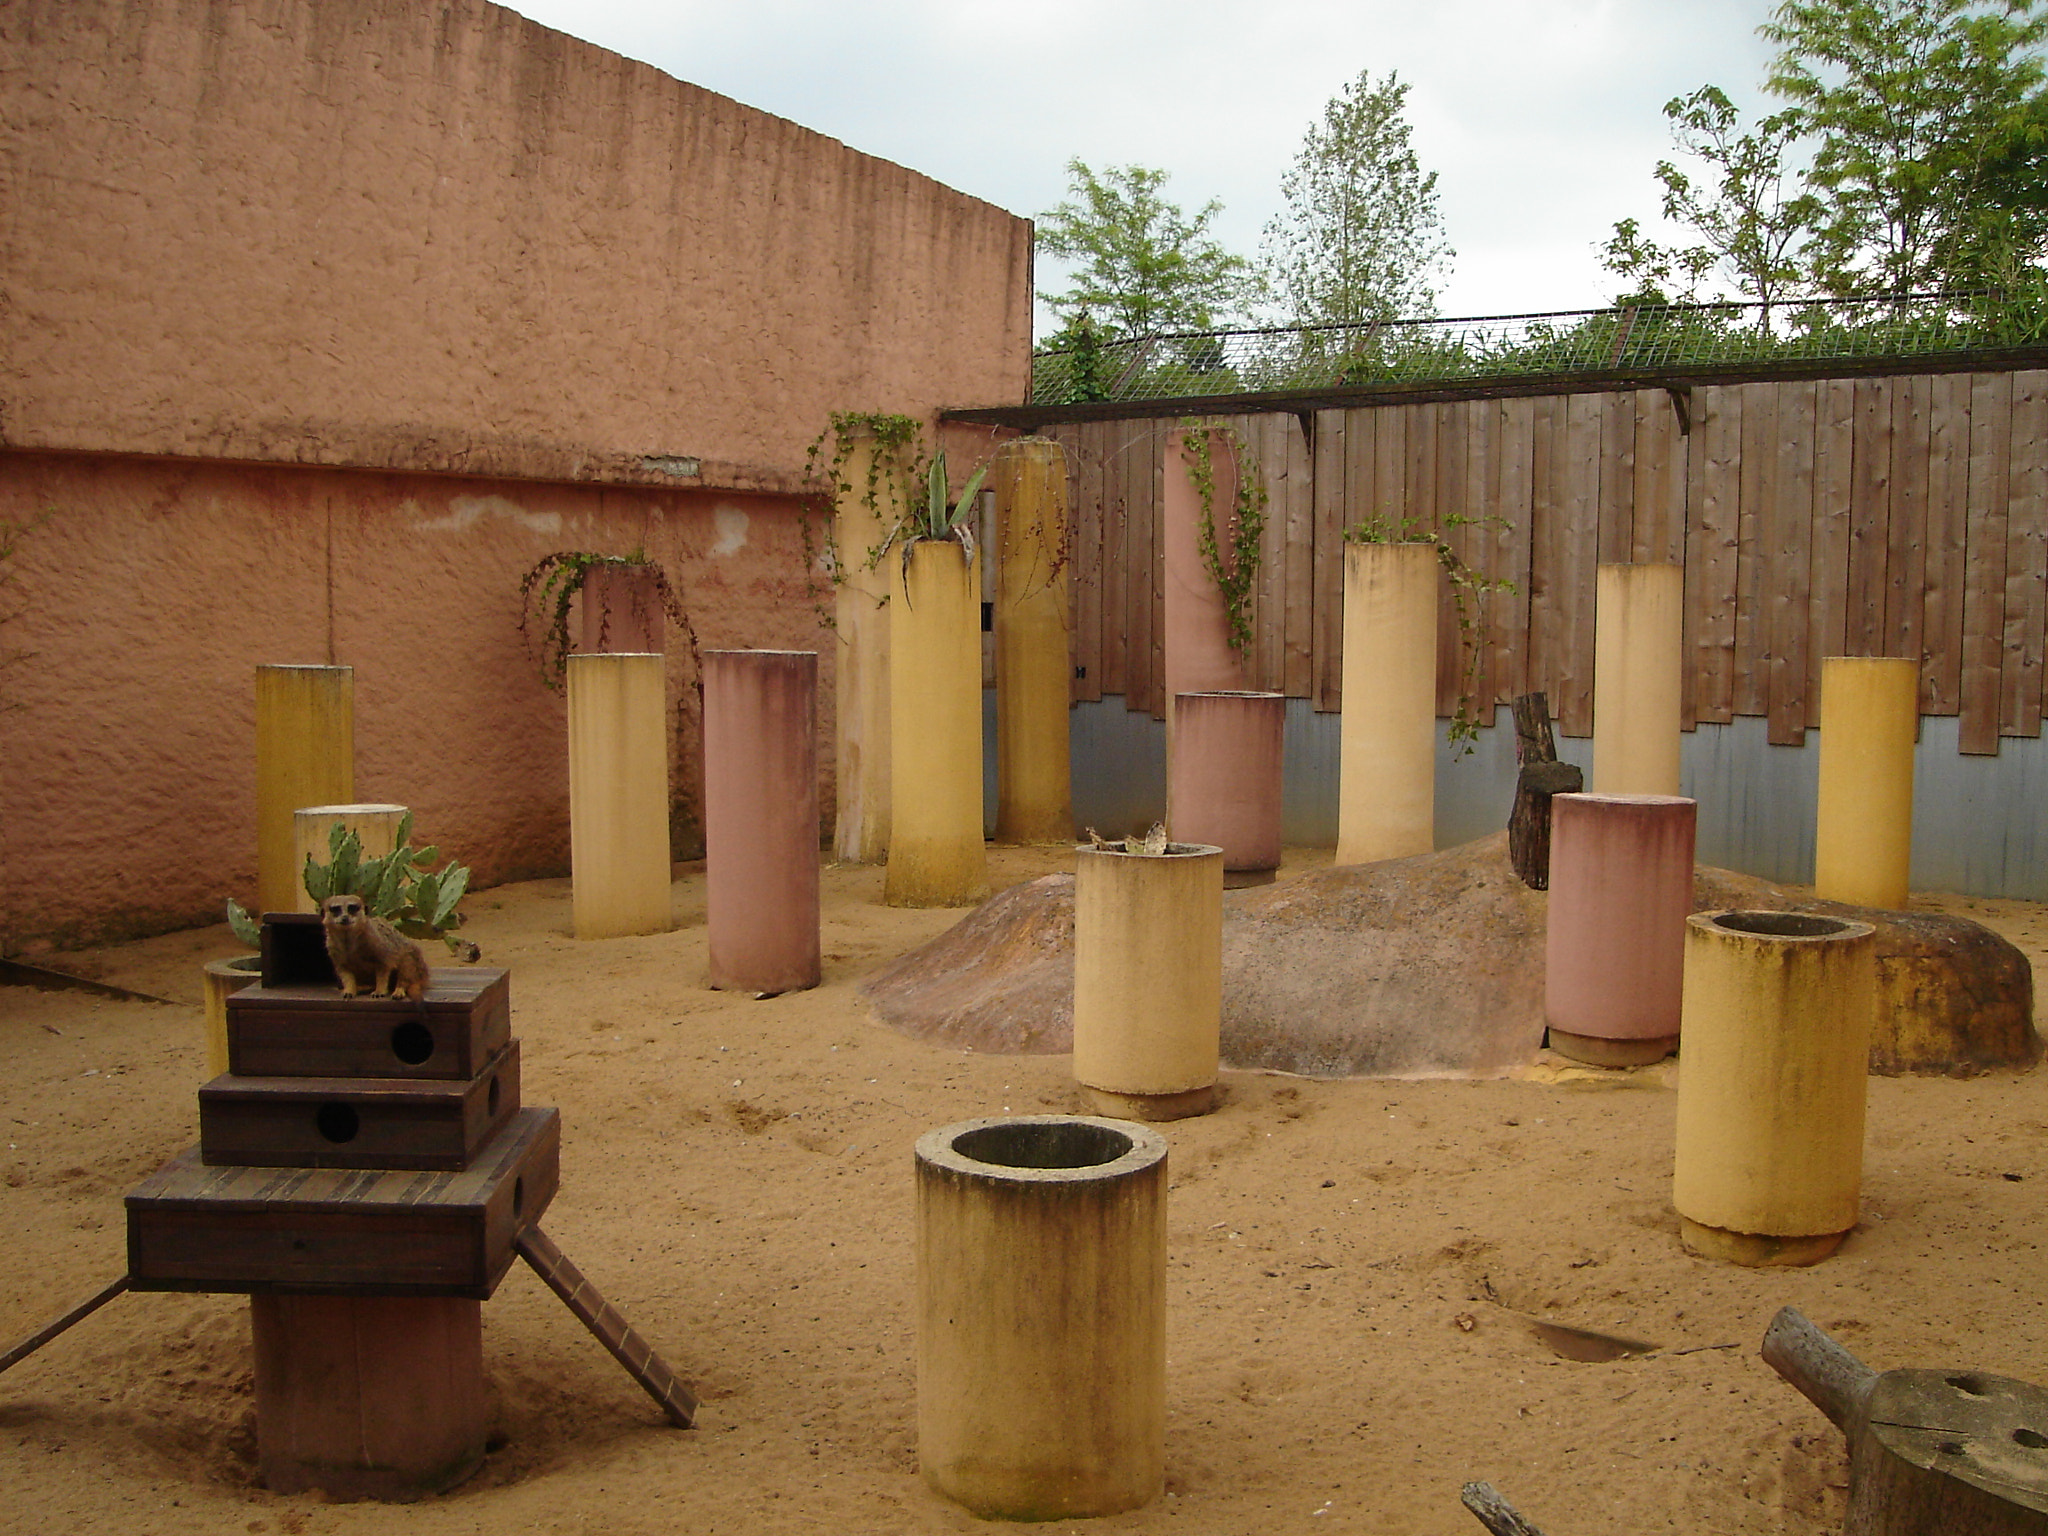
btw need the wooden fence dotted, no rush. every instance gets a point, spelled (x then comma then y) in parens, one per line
(1902, 515)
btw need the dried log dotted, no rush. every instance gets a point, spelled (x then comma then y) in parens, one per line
(1541, 777)
(35, 1341)
(1495, 1512)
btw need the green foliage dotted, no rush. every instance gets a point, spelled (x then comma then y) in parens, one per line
(1070, 365)
(1143, 264)
(1469, 590)
(400, 887)
(1361, 237)
(1236, 574)
(894, 464)
(547, 591)
(937, 518)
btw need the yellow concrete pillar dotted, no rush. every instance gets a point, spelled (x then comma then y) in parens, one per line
(1386, 788)
(860, 615)
(1863, 828)
(1771, 1088)
(1034, 662)
(1148, 979)
(618, 795)
(375, 827)
(1638, 651)
(222, 979)
(305, 755)
(1041, 1315)
(936, 854)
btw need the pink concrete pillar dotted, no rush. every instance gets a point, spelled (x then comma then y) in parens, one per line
(1620, 892)
(1198, 654)
(1223, 781)
(761, 819)
(622, 609)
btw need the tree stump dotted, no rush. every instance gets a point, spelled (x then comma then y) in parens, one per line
(1542, 776)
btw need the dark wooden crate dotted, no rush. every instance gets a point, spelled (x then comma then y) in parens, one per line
(356, 1122)
(313, 1031)
(336, 1232)
(294, 951)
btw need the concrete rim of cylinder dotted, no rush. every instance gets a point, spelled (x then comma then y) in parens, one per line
(1780, 927)
(1610, 797)
(1227, 693)
(1170, 851)
(1042, 1149)
(753, 650)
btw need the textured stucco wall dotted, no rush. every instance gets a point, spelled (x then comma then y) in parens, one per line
(150, 592)
(433, 235)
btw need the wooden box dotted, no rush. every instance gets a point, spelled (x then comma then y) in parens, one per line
(344, 1232)
(356, 1122)
(294, 951)
(302, 1030)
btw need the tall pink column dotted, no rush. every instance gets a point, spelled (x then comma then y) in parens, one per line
(1223, 783)
(1198, 654)
(761, 819)
(622, 609)
(1620, 892)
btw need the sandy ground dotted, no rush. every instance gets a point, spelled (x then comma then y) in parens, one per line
(1353, 1267)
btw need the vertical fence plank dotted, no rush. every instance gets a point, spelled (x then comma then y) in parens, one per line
(1342, 437)
(1838, 442)
(1658, 496)
(1863, 631)
(1579, 551)
(1086, 510)
(1449, 501)
(1710, 565)
(1948, 492)
(1156, 683)
(1789, 549)
(1476, 544)
(1984, 559)
(2026, 558)
(1906, 552)
(1281, 436)
(1758, 474)
(1298, 640)
(1508, 620)
(1387, 497)
(1617, 484)
(1144, 466)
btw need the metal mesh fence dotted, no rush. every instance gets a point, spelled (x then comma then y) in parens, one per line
(1639, 337)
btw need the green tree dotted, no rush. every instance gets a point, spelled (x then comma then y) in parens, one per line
(1749, 219)
(1143, 266)
(1360, 238)
(1928, 136)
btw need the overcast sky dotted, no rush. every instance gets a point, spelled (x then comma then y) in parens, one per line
(1542, 118)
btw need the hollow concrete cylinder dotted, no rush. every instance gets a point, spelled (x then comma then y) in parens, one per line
(1769, 1156)
(1041, 1315)
(305, 755)
(1863, 823)
(1638, 651)
(761, 819)
(936, 854)
(621, 609)
(618, 795)
(1148, 979)
(368, 1397)
(222, 979)
(1614, 950)
(1224, 779)
(860, 618)
(1034, 664)
(1197, 655)
(1386, 772)
(375, 827)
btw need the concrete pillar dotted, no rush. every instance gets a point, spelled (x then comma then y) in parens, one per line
(1614, 951)
(222, 979)
(305, 755)
(1224, 781)
(368, 1397)
(1638, 653)
(618, 795)
(761, 819)
(622, 610)
(1386, 788)
(936, 854)
(1034, 660)
(1198, 656)
(1863, 826)
(375, 827)
(1148, 979)
(860, 616)
(1769, 1147)
(1041, 1315)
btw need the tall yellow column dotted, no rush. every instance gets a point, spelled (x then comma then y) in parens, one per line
(1041, 1315)
(1863, 829)
(860, 614)
(375, 827)
(1638, 653)
(618, 795)
(305, 755)
(1034, 662)
(1386, 789)
(1769, 1147)
(936, 854)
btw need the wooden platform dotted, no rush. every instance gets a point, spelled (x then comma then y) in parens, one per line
(326, 1231)
(356, 1122)
(311, 1030)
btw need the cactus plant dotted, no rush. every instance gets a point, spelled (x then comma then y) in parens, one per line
(419, 902)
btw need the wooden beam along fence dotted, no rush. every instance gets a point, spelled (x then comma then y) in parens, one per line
(1898, 515)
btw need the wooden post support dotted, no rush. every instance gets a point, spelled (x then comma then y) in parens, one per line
(608, 1325)
(1931, 1452)
(1542, 777)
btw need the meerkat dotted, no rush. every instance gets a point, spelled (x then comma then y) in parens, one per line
(361, 945)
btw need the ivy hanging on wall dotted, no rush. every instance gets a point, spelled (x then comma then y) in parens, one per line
(1236, 573)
